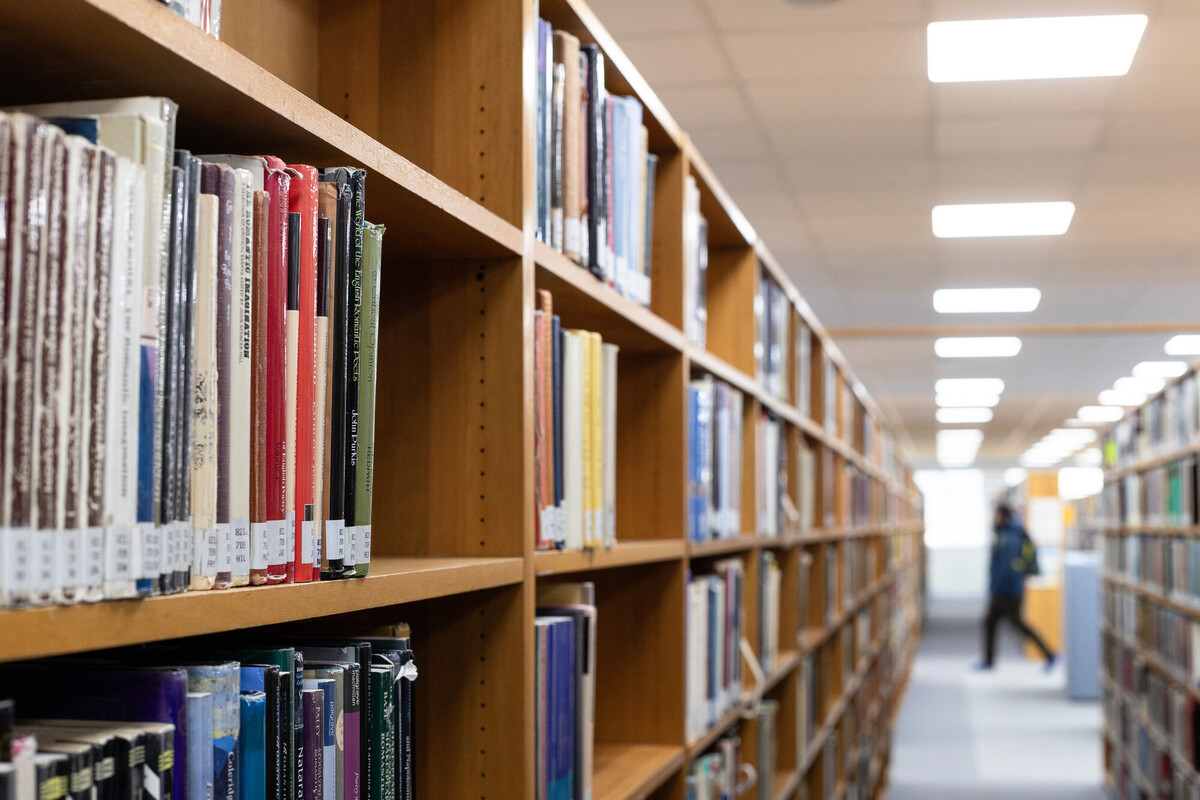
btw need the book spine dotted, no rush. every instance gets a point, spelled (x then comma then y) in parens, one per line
(340, 558)
(311, 710)
(8, 152)
(240, 389)
(205, 398)
(368, 361)
(218, 180)
(293, 381)
(279, 445)
(303, 199)
(252, 746)
(566, 52)
(358, 545)
(352, 734)
(181, 574)
(49, 417)
(260, 454)
(321, 439)
(556, 156)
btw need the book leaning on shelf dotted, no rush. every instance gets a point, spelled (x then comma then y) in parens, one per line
(159, 424)
(224, 717)
(595, 174)
(720, 773)
(575, 434)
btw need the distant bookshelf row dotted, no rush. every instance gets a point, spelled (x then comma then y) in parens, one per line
(1146, 516)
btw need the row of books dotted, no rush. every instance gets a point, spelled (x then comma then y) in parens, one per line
(595, 173)
(719, 773)
(1171, 635)
(204, 14)
(1169, 421)
(575, 435)
(1161, 496)
(1167, 564)
(714, 629)
(192, 351)
(714, 459)
(230, 719)
(772, 313)
(565, 700)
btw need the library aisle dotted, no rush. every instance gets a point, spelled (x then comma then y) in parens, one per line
(1010, 733)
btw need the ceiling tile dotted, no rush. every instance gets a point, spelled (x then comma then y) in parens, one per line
(1008, 178)
(1038, 134)
(848, 139)
(706, 105)
(747, 173)
(1016, 9)
(1179, 130)
(678, 60)
(736, 141)
(630, 19)
(864, 172)
(1022, 98)
(738, 15)
(892, 98)
(825, 55)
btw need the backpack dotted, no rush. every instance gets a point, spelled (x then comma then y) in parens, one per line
(1029, 556)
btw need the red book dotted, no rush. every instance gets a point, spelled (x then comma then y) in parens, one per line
(277, 182)
(302, 200)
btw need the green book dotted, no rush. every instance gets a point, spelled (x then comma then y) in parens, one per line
(381, 761)
(372, 259)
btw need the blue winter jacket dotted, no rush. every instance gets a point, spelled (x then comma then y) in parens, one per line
(1007, 571)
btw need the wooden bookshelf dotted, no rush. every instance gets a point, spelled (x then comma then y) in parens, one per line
(434, 100)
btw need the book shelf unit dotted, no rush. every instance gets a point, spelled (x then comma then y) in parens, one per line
(1145, 521)
(434, 99)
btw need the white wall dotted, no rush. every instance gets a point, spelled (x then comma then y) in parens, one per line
(959, 531)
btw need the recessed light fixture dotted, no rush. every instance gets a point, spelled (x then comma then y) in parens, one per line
(1025, 49)
(977, 220)
(979, 385)
(1141, 385)
(977, 346)
(1113, 397)
(1100, 413)
(985, 301)
(1183, 345)
(958, 416)
(1160, 369)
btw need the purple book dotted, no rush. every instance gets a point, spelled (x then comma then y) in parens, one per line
(77, 691)
(314, 743)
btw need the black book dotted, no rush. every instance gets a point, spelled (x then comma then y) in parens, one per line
(8, 781)
(80, 779)
(8, 721)
(52, 775)
(110, 761)
(595, 150)
(335, 502)
(172, 347)
(396, 652)
(358, 187)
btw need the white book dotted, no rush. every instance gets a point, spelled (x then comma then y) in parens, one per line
(120, 571)
(204, 548)
(719, 703)
(573, 461)
(610, 443)
(240, 328)
(806, 470)
(697, 661)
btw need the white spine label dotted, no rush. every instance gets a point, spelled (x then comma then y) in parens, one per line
(118, 553)
(93, 556)
(335, 539)
(364, 544)
(224, 543)
(352, 542)
(151, 551)
(241, 546)
(259, 545)
(306, 539)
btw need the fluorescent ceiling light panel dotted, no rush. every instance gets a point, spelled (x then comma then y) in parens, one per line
(1113, 397)
(966, 400)
(1079, 423)
(958, 416)
(1160, 369)
(1148, 385)
(977, 346)
(1027, 49)
(1183, 345)
(1014, 476)
(1002, 219)
(954, 386)
(1100, 413)
(985, 301)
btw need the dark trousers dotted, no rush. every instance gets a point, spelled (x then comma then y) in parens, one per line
(1007, 608)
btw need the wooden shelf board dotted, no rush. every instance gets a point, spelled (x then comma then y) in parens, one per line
(227, 103)
(622, 554)
(583, 301)
(785, 664)
(1160, 530)
(702, 742)
(1157, 460)
(57, 630)
(633, 771)
(717, 547)
(786, 783)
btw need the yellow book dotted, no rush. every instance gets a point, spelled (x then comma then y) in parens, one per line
(586, 426)
(595, 398)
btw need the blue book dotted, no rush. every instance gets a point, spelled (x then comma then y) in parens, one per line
(560, 720)
(224, 681)
(620, 192)
(252, 746)
(199, 747)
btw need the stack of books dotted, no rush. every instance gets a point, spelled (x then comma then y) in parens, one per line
(575, 434)
(595, 174)
(192, 349)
